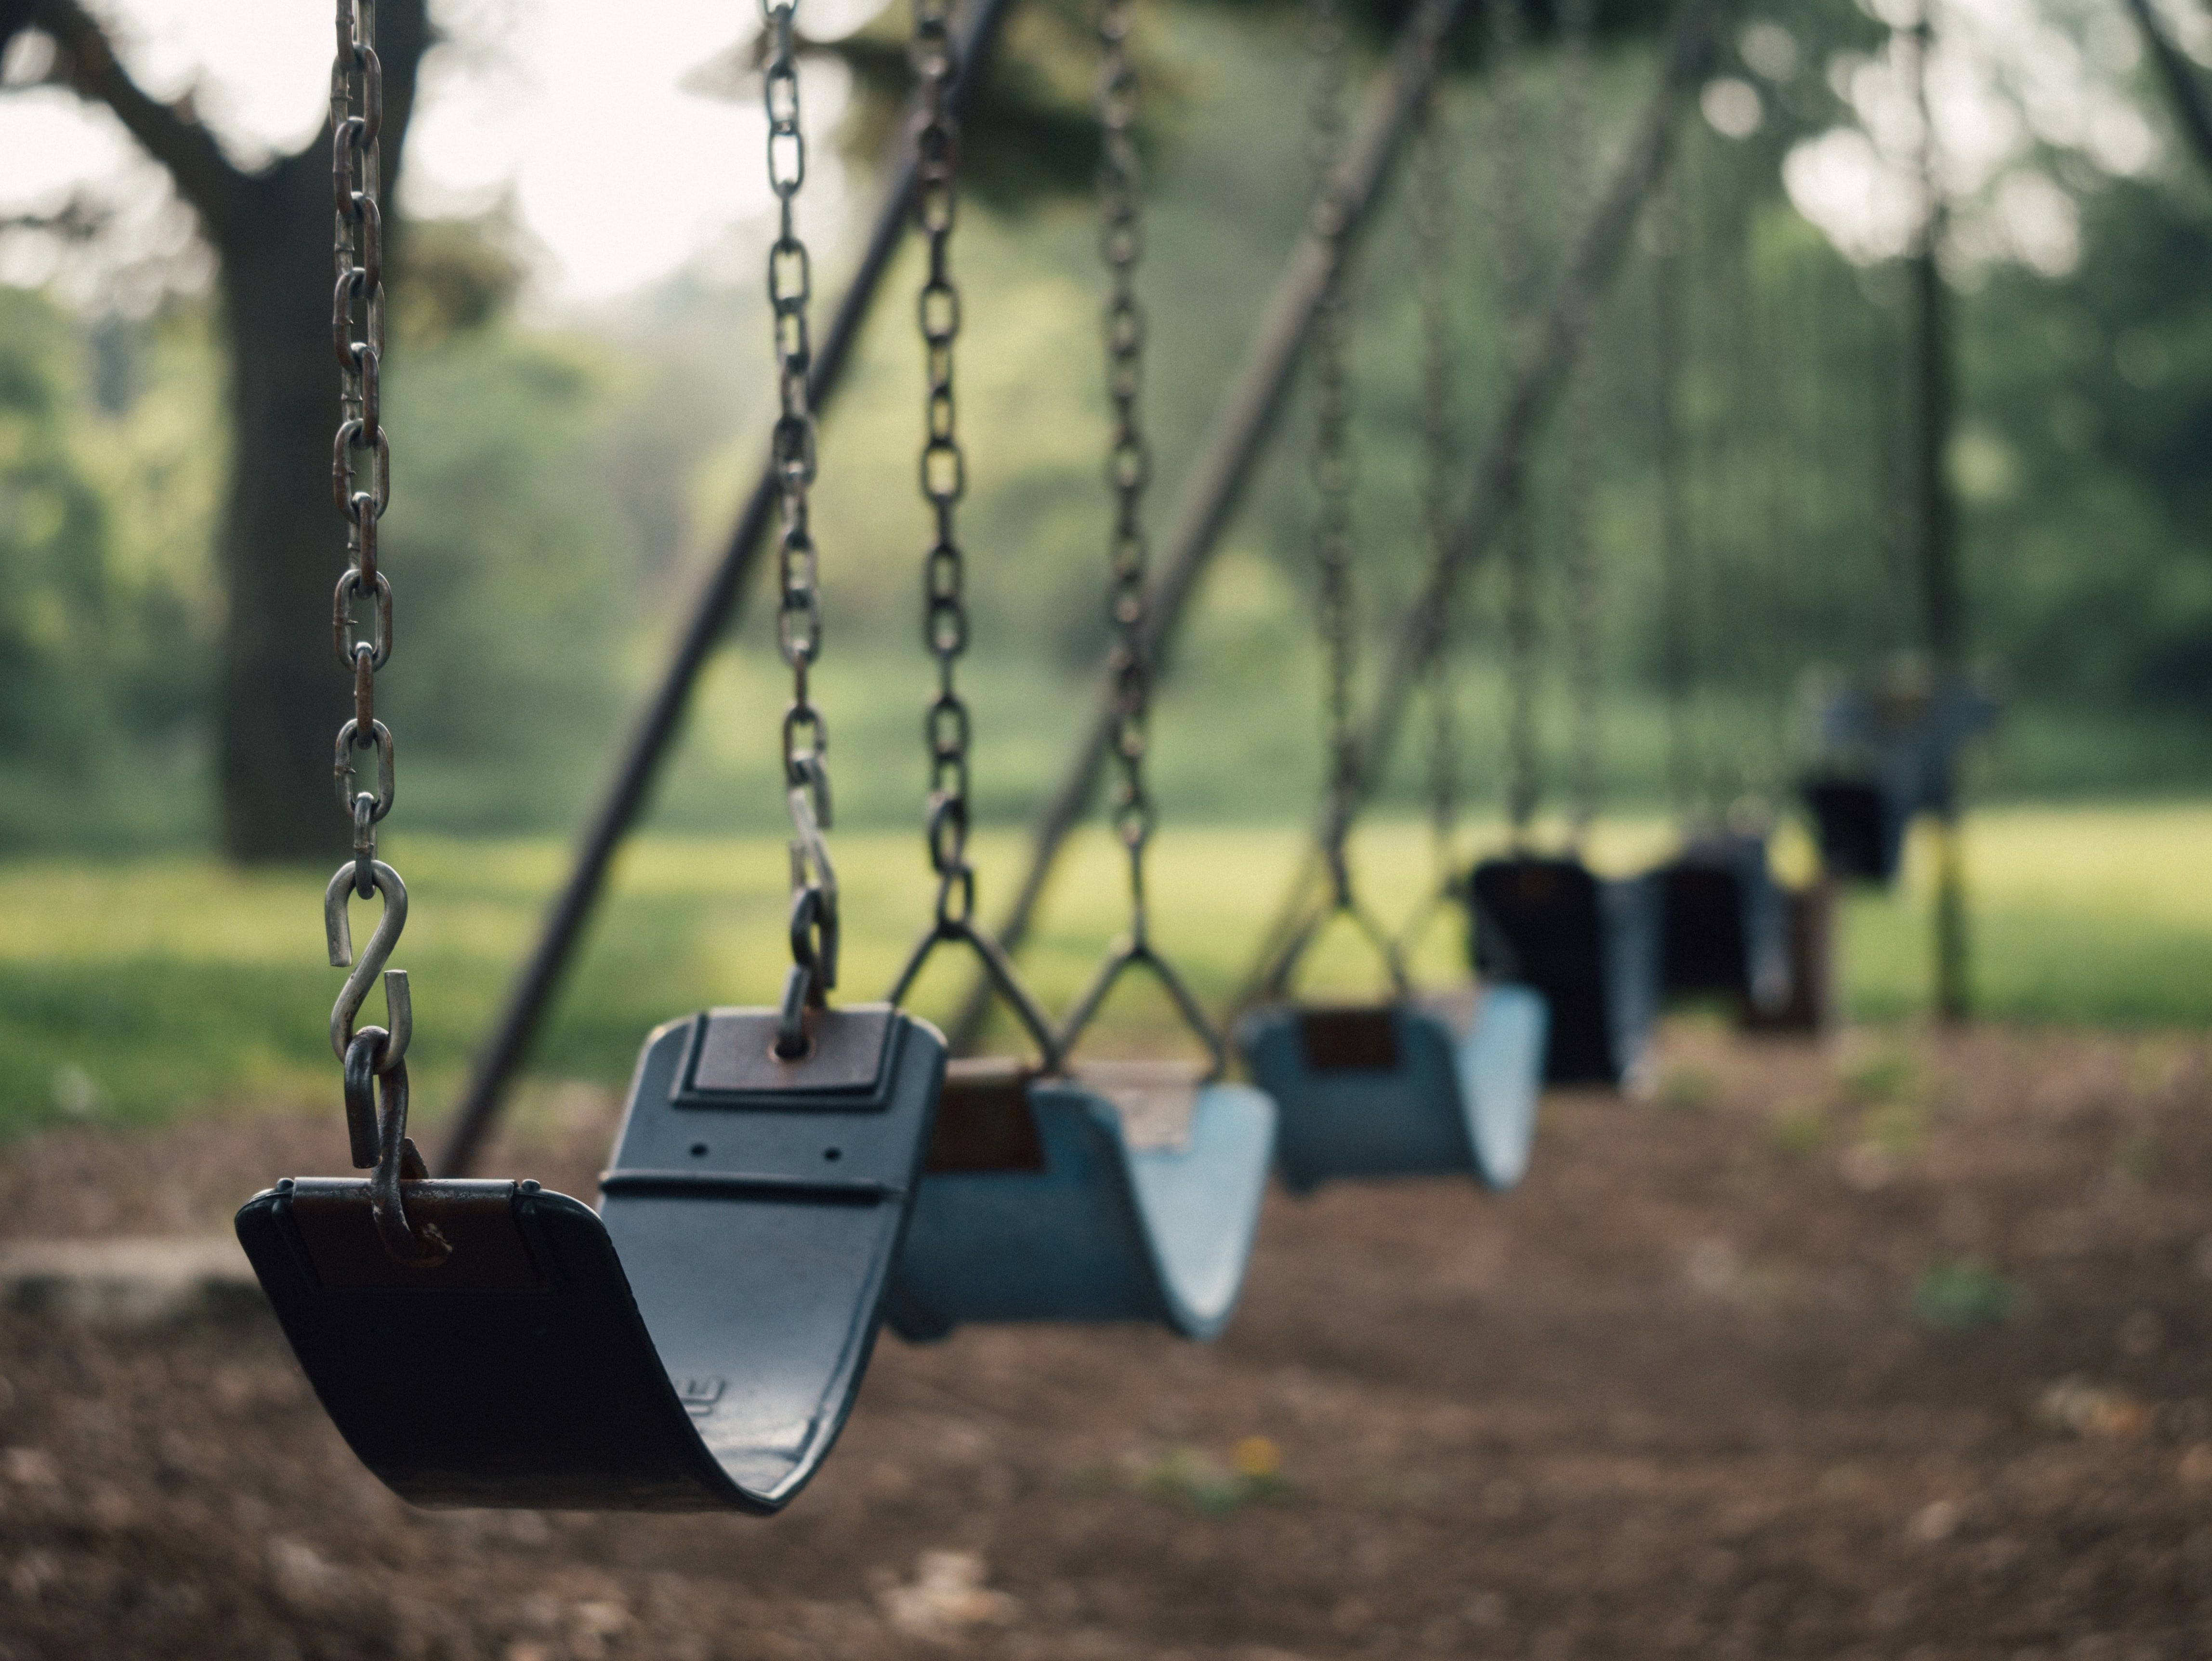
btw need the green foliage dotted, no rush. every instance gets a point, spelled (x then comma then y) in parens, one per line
(2094, 398)
(57, 587)
(559, 483)
(137, 990)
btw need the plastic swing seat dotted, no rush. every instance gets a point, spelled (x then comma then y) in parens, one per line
(1590, 947)
(1411, 1087)
(1724, 927)
(1885, 754)
(694, 1345)
(1122, 1193)
(1860, 828)
(1808, 922)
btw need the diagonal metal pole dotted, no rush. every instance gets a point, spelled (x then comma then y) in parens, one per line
(1235, 436)
(712, 612)
(1500, 464)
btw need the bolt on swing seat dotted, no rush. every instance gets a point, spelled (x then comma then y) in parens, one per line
(1119, 1191)
(1411, 1086)
(1590, 946)
(1724, 924)
(695, 1345)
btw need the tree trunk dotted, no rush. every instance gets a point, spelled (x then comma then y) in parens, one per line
(282, 695)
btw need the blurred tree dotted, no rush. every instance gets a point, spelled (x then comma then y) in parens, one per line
(279, 696)
(55, 633)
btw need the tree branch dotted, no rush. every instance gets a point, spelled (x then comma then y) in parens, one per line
(2182, 86)
(88, 67)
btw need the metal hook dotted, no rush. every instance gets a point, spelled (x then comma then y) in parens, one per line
(397, 1161)
(812, 873)
(399, 1012)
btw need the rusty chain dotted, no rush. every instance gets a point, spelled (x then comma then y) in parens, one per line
(1331, 464)
(1517, 279)
(805, 734)
(1434, 282)
(947, 726)
(1128, 457)
(1586, 765)
(373, 1058)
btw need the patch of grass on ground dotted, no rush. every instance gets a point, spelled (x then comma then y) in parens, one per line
(1959, 1294)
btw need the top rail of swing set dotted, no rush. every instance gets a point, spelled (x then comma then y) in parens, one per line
(1239, 428)
(1496, 468)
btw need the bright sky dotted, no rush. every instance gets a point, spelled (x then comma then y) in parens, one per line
(623, 175)
(618, 172)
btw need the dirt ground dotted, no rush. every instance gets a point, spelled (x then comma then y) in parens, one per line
(1885, 1347)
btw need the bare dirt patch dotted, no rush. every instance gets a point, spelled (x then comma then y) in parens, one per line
(1887, 1347)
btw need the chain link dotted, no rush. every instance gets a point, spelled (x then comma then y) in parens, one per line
(1676, 578)
(373, 1058)
(1433, 275)
(1331, 463)
(1580, 552)
(1517, 276)
(1128, 456)
(805, 734)
(947, 728)
(361, 456)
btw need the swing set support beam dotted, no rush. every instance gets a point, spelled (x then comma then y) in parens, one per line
(1499, 466)
(1238, 432)
(714, 610)
(1942, 602)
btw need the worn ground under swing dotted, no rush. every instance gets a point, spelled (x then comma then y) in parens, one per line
(1892, 1348)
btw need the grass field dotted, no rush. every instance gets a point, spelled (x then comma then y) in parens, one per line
(133, 991)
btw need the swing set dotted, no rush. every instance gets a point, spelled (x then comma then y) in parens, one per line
(788, 1180)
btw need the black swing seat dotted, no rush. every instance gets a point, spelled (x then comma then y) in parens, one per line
(1724, 924)
(1590, 946)
(1882, 753)
(1859, 826)
(1125, 1191)
(1808, 926)
(1413, 1087)
(695, 1345)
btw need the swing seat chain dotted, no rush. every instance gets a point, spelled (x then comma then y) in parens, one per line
(373, 1058)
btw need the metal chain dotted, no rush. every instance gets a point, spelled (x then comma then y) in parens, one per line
(1580, 552)
(1674, 552)
(1515, 277)
(944, 471)
(1433, 277)
(805, 737)
(1128, 460)
(1331, 464)
(358, 335)
(373, 1059)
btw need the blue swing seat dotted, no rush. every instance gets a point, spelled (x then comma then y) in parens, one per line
(1590, 947)
(1127, 1192)
(1411, 1087)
